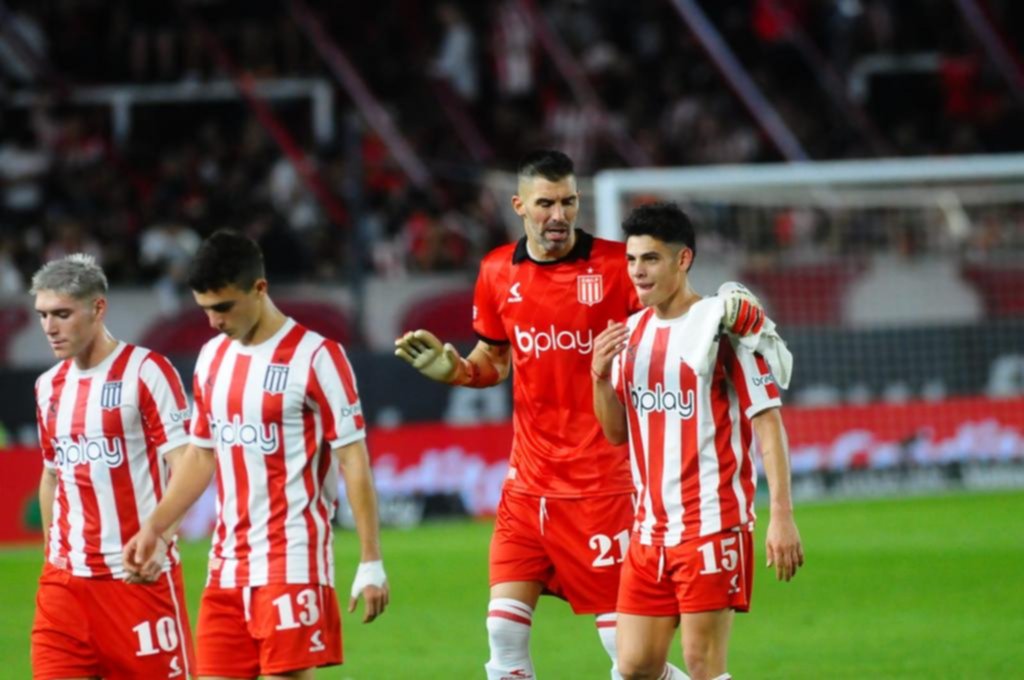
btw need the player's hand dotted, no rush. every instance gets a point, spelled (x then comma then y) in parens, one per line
(744, 314)
(783, 547)
(154, 566)
(607, 346)
(140, 550)
(427, 355)
(370, 583)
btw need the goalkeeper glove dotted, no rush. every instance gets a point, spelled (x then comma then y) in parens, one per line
(744, 314)
(427, 355)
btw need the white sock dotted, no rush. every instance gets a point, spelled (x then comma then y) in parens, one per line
(606, 631)
(723, 676)
(673, 673)
(508, 633)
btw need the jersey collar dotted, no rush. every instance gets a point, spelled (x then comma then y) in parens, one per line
(580, 250)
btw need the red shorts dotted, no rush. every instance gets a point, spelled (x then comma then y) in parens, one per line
(104, 627)
(574, 546)
(265, 630)
(706, 574)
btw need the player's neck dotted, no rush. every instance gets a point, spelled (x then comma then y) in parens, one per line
(96, 351)
(677, 304)
(270, 322)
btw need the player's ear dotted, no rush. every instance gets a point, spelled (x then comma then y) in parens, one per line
(260, 286)
(685, 258)
(99, 308)
(517, 205)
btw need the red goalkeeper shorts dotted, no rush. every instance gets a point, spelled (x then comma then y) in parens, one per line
(104, 627)
(267, 630)
(574, 546)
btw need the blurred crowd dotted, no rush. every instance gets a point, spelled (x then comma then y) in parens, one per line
(470, 85)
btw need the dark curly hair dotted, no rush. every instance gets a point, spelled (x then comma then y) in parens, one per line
(663, 221)
(226, 258)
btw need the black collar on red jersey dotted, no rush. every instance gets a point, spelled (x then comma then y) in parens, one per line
(580, 250)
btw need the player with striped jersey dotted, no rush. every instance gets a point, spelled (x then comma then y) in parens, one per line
(566, 505)
(275, 405)
(112, 425)
(690, 401)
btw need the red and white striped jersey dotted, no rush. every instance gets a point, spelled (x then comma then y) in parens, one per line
(104, 431)
(690, 439)
(272, 413)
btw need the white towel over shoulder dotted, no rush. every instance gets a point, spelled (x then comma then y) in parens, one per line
(704, 322)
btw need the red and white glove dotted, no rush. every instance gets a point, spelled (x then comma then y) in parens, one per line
(744, 314)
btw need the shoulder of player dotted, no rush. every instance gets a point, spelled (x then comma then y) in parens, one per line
(502, 255)
(609, 251)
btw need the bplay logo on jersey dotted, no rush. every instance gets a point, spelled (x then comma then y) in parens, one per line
(644, 401)
(536, 342)
(80, 450)
(263, 437)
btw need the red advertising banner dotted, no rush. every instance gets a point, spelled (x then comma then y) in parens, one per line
(471, 462)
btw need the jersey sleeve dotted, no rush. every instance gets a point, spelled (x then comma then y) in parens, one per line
(49, 457)
(162, 404)
(486, 319)
(332, 393)
(749, 373)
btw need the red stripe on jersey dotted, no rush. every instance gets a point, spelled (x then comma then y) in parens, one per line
(734, 370)
(728, 502)
(277, 472)
(501, 614)
(236, 460)
(121, 476)
(314, 478)
(63, 526)
(636, 441)
(606, 624)
(201, 423)
(153, 426)
(341, 365)
(689, 456)
(771, 389)
(86, 493)
(656, 436)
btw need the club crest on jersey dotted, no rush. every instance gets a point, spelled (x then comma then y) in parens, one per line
(110, 394)
(275, 379)
(589, 288)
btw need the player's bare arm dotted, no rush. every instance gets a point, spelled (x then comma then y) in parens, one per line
(151, 570)
(486, 365)
(609, 410)
(370, 582)
(188, 481)
(47, 492)
(782, 546)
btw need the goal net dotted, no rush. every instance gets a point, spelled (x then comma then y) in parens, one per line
(899, 286)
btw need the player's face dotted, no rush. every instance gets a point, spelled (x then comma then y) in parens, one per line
(232, 311)
(549, 213)
(657, 269)
(70, 325)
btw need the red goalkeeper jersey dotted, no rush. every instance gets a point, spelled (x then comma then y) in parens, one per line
(551, 312)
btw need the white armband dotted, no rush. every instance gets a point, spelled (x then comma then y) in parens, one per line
(369, 574)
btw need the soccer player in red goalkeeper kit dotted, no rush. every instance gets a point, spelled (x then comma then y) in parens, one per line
(690, 401)
(566, 507)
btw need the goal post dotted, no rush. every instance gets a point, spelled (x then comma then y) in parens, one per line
(899, 285)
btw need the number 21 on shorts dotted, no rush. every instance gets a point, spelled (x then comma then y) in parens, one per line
(308, 615)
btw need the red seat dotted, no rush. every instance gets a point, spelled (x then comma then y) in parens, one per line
(188, 330)
(449, 316)
(803, 294)
(11, 321)
(1001, 287)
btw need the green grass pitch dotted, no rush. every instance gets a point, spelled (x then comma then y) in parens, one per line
(915, 588)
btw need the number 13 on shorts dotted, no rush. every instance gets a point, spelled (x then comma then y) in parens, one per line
(304, 611)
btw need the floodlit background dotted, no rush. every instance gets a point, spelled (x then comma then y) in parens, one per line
(855, 162)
